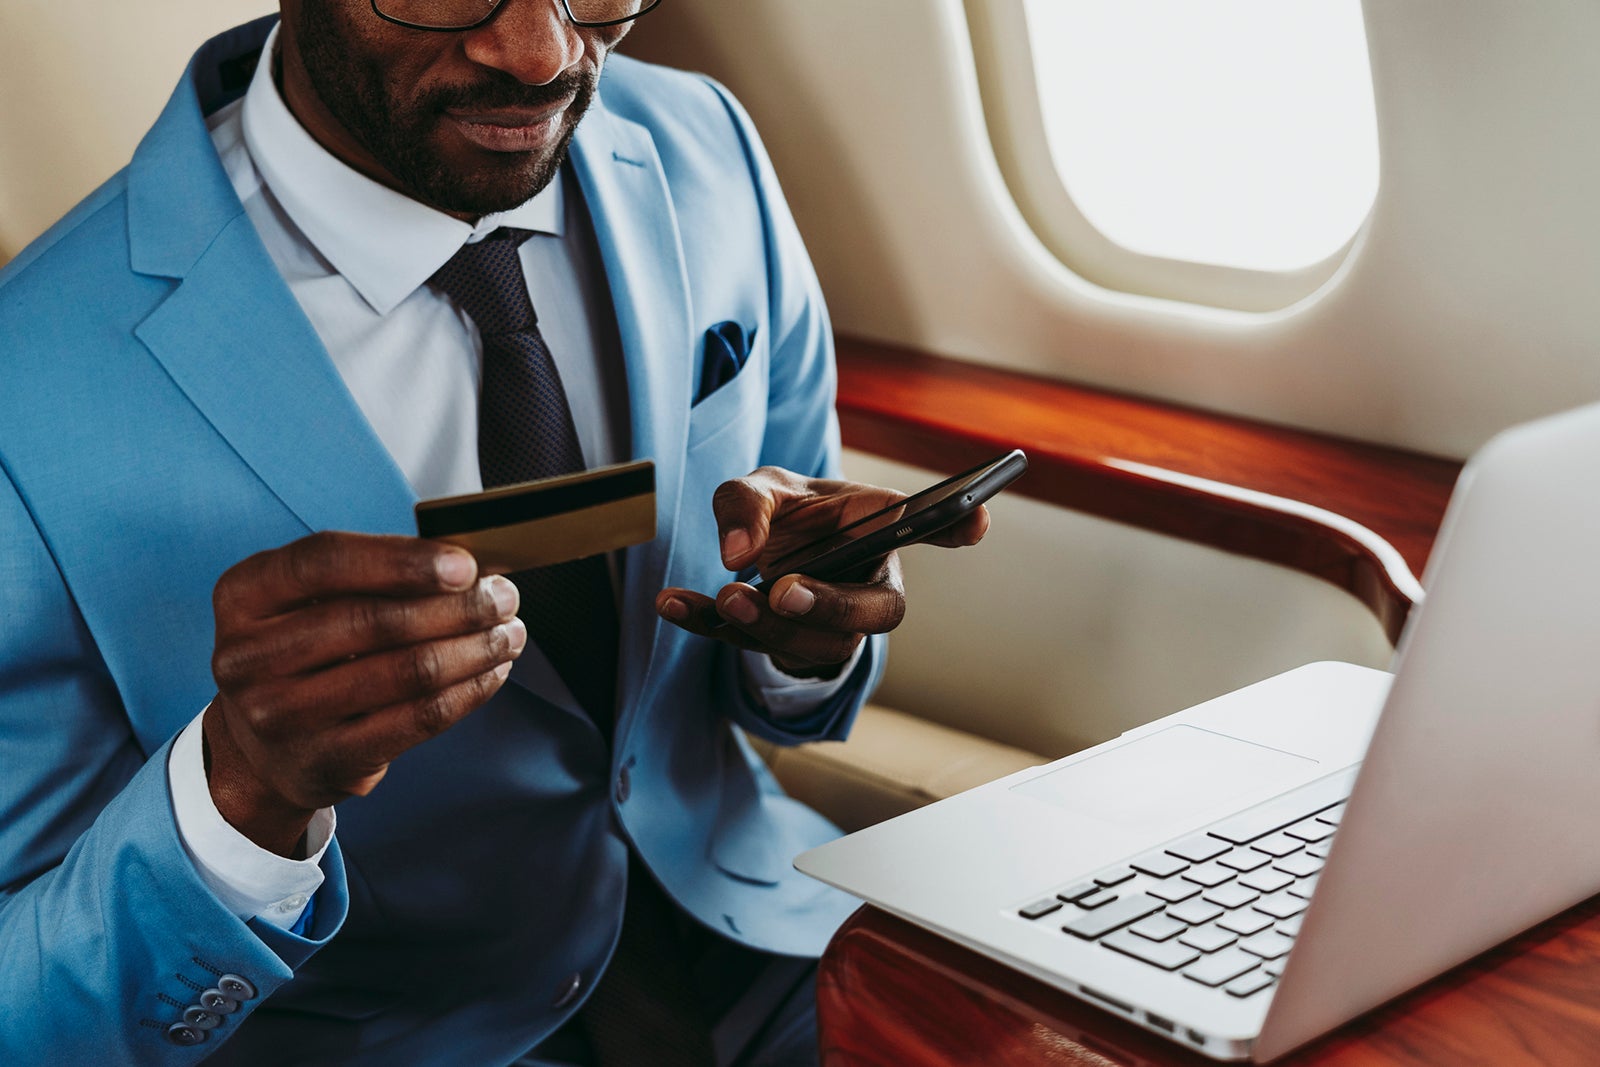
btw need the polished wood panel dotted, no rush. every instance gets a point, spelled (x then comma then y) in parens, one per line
(891, 994)
(1358, 515)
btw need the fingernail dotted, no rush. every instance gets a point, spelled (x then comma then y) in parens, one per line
(503, 670)
(796, 600)
(517, 634)
(735, 543)
(455, 569)
(741, 609)
(505, 595)
(674, 609)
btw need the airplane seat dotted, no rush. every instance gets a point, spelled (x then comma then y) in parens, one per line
(83, 83)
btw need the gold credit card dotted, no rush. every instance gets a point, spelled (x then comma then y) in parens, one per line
(553, 520)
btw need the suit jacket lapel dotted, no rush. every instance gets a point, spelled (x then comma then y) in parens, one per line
(235, 341)
(625, 188)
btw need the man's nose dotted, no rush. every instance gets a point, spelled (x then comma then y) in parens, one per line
(531, 40)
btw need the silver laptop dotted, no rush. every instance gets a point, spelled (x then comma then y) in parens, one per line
(1249, 873)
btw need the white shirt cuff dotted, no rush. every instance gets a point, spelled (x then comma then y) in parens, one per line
(785, 696)
(250, 881)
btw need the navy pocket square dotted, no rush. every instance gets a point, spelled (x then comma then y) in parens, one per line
(727, 347)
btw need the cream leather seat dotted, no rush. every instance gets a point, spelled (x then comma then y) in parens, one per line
(82, 82)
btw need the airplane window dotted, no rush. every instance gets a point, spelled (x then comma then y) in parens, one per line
(1238, 133)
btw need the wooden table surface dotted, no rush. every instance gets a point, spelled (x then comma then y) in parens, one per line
(891, 994)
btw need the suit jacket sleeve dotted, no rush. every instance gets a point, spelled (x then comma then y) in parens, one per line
(107, 932)
(803, 428)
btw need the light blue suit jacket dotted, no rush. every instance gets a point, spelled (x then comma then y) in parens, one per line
(167, 410)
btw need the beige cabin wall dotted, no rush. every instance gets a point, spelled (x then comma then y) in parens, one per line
(1465, 305)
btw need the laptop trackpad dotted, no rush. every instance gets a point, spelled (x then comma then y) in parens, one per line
(1181, 769)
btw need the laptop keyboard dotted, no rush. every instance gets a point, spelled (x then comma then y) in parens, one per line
(1221, 907)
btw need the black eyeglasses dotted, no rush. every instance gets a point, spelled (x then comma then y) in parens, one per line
(470, 14)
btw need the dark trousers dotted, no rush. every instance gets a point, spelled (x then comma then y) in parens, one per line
(760, 1008)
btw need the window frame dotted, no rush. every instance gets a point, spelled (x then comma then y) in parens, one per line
(1008, 86)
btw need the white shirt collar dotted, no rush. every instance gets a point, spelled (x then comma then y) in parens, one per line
(383, 243)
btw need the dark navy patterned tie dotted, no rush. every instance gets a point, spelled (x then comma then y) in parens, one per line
(525, 431)
(644, 1010)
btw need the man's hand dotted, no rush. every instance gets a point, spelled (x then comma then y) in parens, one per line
(335, 654)
(808, 627)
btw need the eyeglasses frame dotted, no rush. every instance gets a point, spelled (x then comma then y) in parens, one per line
(495, 10)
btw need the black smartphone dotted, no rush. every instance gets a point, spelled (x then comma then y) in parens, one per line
(850, 550)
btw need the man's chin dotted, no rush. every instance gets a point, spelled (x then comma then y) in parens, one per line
(463, 176)
(486, 182)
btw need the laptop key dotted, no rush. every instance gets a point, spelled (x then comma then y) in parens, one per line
(1168, 955)
(1311, 830)
(1096, 900)
(1194, 912)
(1266, 881)
(1304, 888)
(1075, 892)
(1223, 966)
(1300, 865)
(1332, 815)
(1245, 859)
(1198, 849)
(1114, 877)
(1269, 946)
(1232, 895)
(1246, 921)
(1208, 875)
(1040, 908)
(1250, 983)
(1102, 921)
(1208, 938)
(1290, 927)
(1158, 928)
(1278, 844)
(1172, 890)
(1280, 905)
(1159, 865)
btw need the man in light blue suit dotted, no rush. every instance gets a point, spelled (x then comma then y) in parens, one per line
(240, 340)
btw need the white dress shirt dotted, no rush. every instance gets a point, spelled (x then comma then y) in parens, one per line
(356, 255)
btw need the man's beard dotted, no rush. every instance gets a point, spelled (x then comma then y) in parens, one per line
(398, 132)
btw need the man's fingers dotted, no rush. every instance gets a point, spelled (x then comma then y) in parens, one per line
(698, 614)
(969, 531)
(741, 617)
(397, 676)
(325, 633)
(745, 509)
(421, 671)
(874, 608)
(331, 564)
(318, 636)
(794, 643)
